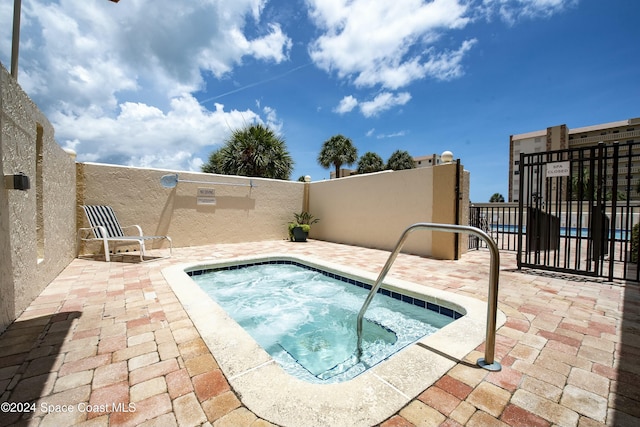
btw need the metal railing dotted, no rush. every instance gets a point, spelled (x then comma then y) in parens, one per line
(487, 362)
(498, 220)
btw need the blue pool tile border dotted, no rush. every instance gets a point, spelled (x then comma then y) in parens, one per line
(395, 295)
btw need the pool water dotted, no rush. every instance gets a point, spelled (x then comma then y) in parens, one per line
(306, 320)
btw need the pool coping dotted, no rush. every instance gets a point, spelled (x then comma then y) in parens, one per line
(368, 399)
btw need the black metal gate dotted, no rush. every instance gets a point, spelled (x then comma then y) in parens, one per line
(577, 211)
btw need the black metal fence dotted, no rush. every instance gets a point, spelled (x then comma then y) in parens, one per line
(576, 212)
(498, 220)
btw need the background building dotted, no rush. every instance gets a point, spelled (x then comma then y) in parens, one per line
(561, 137)
(424, 161)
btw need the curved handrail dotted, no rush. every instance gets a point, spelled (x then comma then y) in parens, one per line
(488, 361)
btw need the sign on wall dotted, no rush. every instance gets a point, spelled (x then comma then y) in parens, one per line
(206, 196)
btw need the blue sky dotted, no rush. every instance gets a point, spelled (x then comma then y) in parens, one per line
(161, 83)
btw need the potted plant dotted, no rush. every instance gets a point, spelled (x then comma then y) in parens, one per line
(299, 228)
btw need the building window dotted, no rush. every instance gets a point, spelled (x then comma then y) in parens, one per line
(517, 162)
(516, 172)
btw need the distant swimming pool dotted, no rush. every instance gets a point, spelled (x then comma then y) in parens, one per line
(619, 234)
(305, 318)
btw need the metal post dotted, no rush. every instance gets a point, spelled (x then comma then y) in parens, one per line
(487, 362)
(15, 40)
(456, 242)
(521, 207)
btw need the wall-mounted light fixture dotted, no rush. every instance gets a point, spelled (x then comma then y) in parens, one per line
(19, 181)
(446, 157)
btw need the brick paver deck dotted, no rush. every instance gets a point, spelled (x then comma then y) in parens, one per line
(108, 344)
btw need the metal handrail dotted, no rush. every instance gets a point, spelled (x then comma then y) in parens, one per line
(171, 180)
(486, 362)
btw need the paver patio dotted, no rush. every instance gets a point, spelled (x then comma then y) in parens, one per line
(109, 344)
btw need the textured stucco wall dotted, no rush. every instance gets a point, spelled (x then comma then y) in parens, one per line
(373, 210)
(241, 214)
(31, 259)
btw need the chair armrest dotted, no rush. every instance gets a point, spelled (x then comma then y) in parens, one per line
(137, 227)
(103, 231)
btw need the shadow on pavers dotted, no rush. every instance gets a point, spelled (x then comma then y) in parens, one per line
(29, 351)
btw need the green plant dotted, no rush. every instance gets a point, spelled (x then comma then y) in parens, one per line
(400, 160)
(370, 162)
(303, 220)
(496, 198)
(254, 150)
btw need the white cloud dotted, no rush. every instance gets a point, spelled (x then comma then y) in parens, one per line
(387, 43)
(391, 135)
(89, 52)
(272, 119)
(347, 104)
(116, 80)
(382, 102)
(395, 43)
(143, 135)
(274, 46)
(512, 11)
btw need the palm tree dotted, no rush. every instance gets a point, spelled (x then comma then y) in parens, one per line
(254, 150)
(214, 164)
(370, 162)
(496, 198)
(400, 160)
(337, 150)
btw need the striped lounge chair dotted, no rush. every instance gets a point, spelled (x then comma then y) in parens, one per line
(104, 227)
